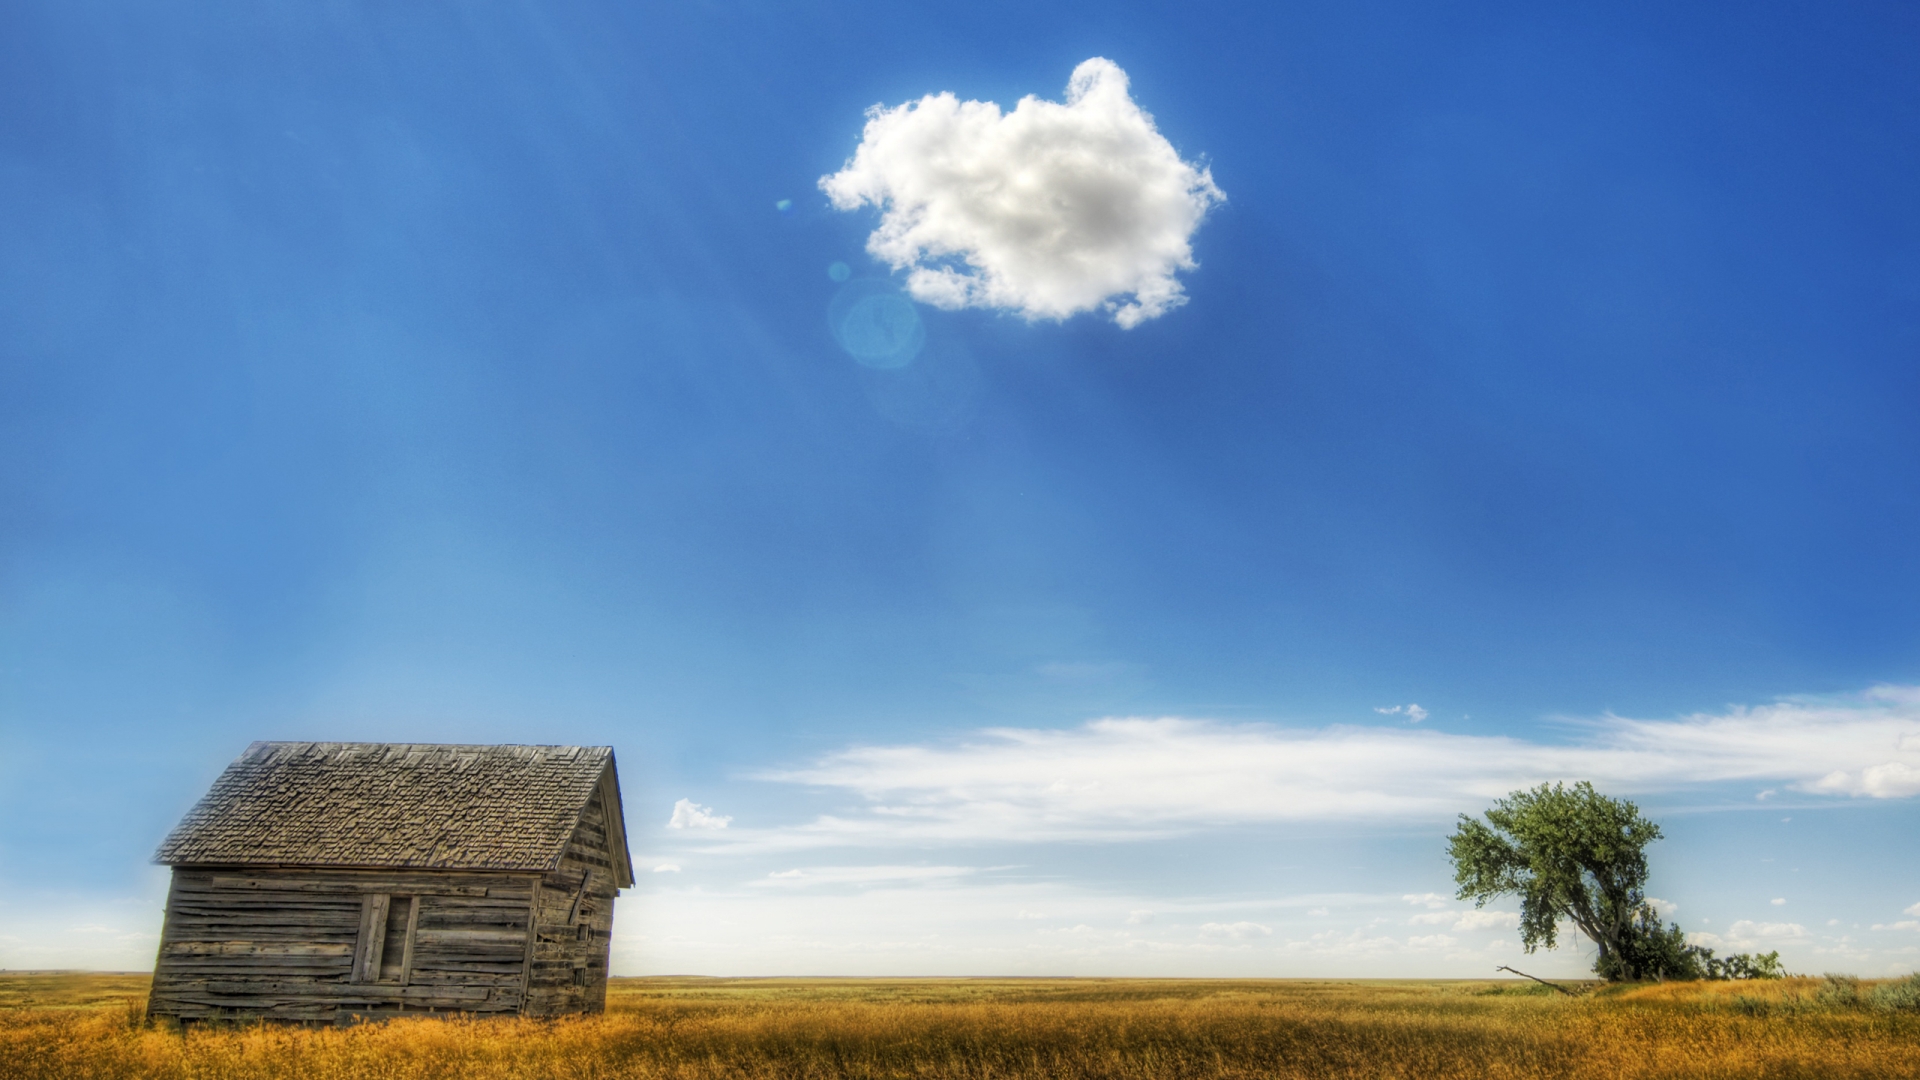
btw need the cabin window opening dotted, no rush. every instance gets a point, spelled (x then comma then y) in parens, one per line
(396, 955)
(384, 951)
(583, 932)
(579, 976)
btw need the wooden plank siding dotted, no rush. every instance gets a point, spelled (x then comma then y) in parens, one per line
(573, 920)
(282, 943)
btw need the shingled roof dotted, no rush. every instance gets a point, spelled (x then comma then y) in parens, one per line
(399, 805)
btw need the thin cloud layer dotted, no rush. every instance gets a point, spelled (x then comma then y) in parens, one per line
(1048, 211)
(988, 923)
(808, 877)
(1126, 779)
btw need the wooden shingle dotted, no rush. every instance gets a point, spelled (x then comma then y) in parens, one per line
(398, 805)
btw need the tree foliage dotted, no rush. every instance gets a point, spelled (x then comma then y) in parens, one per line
(1575, 854)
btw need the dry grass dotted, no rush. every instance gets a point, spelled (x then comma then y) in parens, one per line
(70, 1026)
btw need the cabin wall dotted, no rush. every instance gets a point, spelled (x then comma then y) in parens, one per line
(573, 922)
(300, 945)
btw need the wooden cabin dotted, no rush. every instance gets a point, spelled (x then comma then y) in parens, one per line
(323, 882)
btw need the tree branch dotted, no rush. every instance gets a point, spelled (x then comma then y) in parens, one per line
(1537, 979)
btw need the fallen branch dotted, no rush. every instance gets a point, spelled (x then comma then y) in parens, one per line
(1537, 979)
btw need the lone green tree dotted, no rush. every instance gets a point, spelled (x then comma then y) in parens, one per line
(1574, 854)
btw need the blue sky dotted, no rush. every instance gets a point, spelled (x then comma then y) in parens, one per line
(412, 372)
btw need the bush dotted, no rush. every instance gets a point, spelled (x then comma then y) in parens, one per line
(1647, 951)
(1839, 991)
(1902, 996)
(1663, 954)
(1744, 965)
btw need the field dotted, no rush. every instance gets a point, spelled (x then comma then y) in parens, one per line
(73, 1026)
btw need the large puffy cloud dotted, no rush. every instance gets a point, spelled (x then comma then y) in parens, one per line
(1123, 779)
(1049, 210)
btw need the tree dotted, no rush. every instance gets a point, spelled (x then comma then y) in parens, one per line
(1578, 855)
(1574, 854)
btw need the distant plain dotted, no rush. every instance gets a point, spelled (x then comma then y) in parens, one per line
(66, 1025)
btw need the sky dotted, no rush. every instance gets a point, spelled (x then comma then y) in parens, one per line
(1024, 488)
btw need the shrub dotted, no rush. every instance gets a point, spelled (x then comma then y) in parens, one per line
(1841, 991)
(1902, 996)
(1648, 951)
(1744, 966)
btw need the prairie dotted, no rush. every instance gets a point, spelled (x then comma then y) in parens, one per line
(85, 1026)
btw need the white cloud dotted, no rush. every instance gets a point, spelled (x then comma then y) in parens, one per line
(1352, 944)
(863, 875)
(1904, 924)
(1468, 920)
(1139, 918)
(1237, 930)
(688, 814)
(1049, 210)
(1887, 780)
(1413, 713)
(1134, 778)
(1426, 899)
(1747, 928)
(1665, 907)
(969, 928)
(77, 930)
(667, 868)
(1778, 901)
(1747, 934)
(1487, 920)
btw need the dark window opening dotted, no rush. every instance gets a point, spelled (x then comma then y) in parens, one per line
(384, 950)
(396, 957)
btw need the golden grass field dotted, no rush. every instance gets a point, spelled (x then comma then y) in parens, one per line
(74, 1026)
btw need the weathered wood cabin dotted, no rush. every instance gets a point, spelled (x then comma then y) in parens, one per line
(319, 882)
